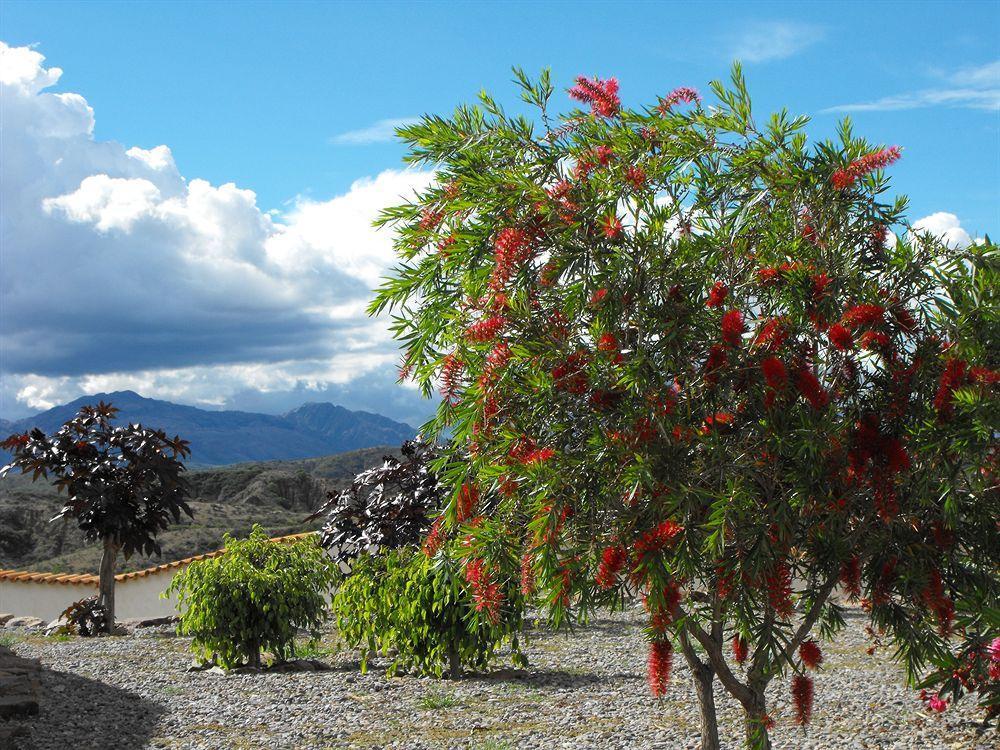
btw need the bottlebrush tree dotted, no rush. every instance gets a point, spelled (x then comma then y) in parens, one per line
(683, 357)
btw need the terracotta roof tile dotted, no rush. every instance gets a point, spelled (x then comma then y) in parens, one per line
(27, 576)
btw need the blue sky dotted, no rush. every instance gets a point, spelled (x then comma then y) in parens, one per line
(285, 100)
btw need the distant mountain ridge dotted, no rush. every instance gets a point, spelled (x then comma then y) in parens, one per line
(227, 437)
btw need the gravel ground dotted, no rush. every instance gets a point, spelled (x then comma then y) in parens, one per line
(584, 689)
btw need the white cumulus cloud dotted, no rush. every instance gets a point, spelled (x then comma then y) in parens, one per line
(946, 227)
(118, 271)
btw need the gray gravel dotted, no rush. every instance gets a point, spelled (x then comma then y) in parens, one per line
(584, 689)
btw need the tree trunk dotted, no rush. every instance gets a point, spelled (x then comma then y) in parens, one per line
(454, 663)
(106, 587)
(704, 678)
(757, 720)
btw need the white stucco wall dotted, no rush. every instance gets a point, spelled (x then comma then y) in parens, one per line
(44, 600)
(135, 598)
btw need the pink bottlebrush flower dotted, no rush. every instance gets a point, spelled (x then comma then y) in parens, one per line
(774, 372)
(810, 653)
(717, 295)
(740, 649)
(611, 226)
(840, 337)
(802, 698)
(993, 650)
(678, 95)
(658, 669)
(733, 327)
(613, 559)
(602, 96)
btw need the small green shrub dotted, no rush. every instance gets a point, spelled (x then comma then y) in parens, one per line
(421, 607)
(435, 700)
(254, 597)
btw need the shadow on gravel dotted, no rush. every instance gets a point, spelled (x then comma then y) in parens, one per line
(75, 710)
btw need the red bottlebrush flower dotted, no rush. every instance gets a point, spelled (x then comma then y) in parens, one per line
(874, 341)
(774, 372)
(844, 178)
(611, 226)
(954, 376)
(485, 330)
(486, 594)
(571, 375)
(658, 669)
(740, 649)
(942, 607)
(771, 335)
(435, 538)
(802, 698)
(810, 388)
(603, 155)
(527, 575)
(451, 371)
(860, 316)
(769, 276)
(466, 502)
(810, 654)
(512, 247)
(602, 96)
(636, 177)
(717, 295)
(598, 297)
(779, 589)
(850, 578)
(539, 455)
(444, 245)
(496, 362)
(820, 282)
(717, 420)
(656, 539)
(733, 327)
(613, 559)
(607, 343)
(430, 218)
(716, 360)
(984, 375)
(681, 94)
(840, 337)
(905, 320)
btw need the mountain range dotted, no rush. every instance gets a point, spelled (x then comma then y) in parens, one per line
(227, 437)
